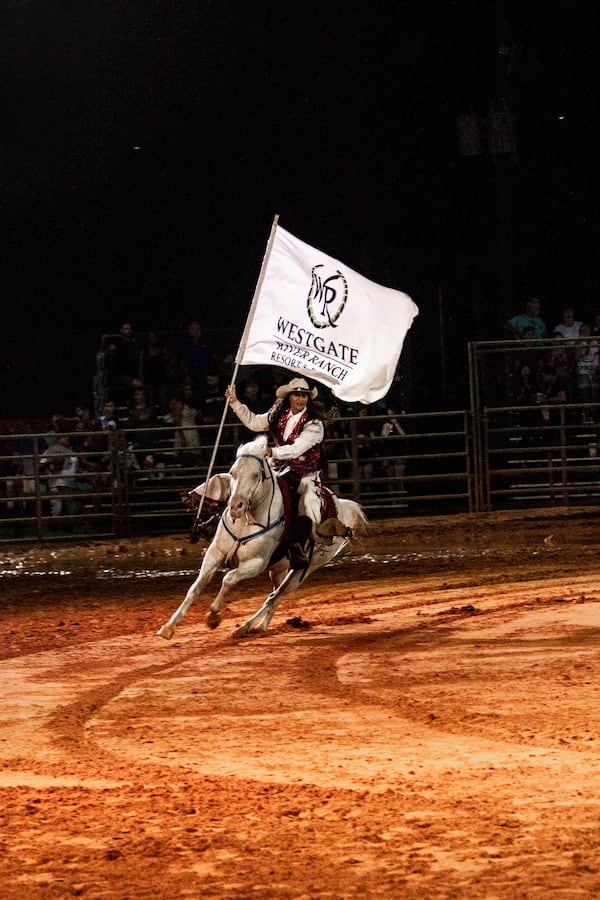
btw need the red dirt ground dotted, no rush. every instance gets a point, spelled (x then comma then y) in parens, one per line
(421, 720)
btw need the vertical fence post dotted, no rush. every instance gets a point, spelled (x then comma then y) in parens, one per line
(476, 425)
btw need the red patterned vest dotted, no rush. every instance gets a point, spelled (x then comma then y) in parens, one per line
(309, 461)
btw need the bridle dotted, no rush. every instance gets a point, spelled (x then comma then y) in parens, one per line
(266, 474)
(264, 468)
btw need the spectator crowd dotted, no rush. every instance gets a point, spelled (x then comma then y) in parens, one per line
(170, 390)
(567, 371)
(154, 381)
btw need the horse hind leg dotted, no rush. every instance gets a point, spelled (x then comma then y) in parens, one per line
(261, 619)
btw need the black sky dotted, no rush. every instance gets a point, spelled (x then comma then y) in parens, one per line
(148, 145)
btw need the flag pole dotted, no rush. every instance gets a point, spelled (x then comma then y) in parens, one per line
(239, 355)
(257, 291)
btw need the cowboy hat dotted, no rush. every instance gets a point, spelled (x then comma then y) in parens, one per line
(296, 385)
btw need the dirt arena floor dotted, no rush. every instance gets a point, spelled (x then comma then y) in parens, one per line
(422, 720)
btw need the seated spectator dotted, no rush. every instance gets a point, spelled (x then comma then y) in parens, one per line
(83, 422)
(197, 353)
(249, 394)
(526, 389)
(55, 427)
(587, 356)
(366, 433)
(186, 412)
(124, 365)
(530, 318)
(554, 390)
(108, 418)
(213, 405)
(212, 400)
(62, 465)
(270, 380)
(154, 370)
(141, 413)
(393, 465)
(568, 327)
(561, 359)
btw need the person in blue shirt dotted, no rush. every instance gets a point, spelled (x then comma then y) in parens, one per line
(530, 318)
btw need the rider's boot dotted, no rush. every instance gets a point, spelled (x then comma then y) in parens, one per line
(331, 528)
(301, 544)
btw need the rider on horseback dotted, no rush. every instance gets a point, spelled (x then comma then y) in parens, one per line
(295, 424)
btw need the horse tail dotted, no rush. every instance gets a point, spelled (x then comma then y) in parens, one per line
(352, 515)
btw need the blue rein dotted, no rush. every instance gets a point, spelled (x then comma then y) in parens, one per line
(263, 528)
(249, 537)
(259, 459)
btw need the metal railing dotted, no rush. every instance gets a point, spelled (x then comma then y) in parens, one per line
(537, 446)
(130, 481)
(537, 456)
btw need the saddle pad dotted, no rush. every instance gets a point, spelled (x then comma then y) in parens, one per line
(328, 510)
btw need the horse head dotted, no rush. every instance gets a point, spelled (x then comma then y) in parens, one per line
(247, 475)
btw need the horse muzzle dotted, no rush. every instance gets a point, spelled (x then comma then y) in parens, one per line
(237, 508)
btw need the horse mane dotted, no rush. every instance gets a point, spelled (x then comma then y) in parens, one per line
(257, 447)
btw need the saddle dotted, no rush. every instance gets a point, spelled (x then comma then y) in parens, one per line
(329, 525)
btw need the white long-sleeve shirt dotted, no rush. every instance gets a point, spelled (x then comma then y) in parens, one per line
(312, 433)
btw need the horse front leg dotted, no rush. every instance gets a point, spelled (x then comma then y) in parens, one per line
(248, 569)
(208, 569)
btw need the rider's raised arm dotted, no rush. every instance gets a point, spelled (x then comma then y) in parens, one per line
(253, 421)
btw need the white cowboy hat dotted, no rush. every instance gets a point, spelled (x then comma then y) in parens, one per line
(296, 384)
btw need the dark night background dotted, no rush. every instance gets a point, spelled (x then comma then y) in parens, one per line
(147, 145)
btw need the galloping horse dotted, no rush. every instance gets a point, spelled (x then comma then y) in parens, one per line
(250, 531)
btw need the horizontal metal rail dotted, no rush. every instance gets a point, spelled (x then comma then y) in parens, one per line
(130, 481)
(553, 462)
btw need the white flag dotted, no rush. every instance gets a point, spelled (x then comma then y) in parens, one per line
(317, 317)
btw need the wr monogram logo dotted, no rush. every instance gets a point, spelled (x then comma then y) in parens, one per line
(326, 298)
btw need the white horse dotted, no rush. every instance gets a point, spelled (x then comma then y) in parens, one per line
(250, 532)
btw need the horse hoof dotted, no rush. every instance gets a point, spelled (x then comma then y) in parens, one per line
(213, 619)
(167, 631)
(247, 630)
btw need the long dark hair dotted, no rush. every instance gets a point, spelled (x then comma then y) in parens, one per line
(314, 409)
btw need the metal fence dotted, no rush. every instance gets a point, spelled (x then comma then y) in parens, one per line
(539, 457)
(535, 445)
(500, 454)
(129, 482)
